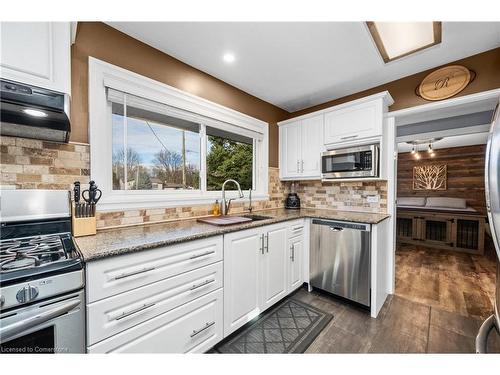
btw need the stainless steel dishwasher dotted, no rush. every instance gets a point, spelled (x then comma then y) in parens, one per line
(340, 259)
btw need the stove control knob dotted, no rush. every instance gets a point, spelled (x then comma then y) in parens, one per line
(27, 294)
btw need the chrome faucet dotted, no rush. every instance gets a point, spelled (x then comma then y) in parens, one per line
(250, 208)
(225, 206)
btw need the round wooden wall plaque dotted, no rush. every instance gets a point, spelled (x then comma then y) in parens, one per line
(445, 82)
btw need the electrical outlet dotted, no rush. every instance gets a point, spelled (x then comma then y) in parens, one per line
(372, 199)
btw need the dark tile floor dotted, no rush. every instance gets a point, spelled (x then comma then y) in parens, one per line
(440, 302)
(403, 326)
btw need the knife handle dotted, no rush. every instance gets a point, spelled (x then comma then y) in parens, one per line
(76, 191)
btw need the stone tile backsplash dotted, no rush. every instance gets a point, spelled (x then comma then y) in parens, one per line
(34, 164)
(348, 196)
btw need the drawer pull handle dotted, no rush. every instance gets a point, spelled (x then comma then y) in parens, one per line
(206, 282)
(124, 275)
(292, 256)
(202, 255)
(196, 331)
(135, 311)
(296, 229)
(349, 136)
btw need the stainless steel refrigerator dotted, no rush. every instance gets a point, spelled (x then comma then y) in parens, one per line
(491, 326)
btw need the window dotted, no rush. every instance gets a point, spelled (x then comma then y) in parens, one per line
(229, 156)
(154, 146)
(160, 152)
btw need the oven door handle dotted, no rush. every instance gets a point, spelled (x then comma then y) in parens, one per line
(13, 329)
(482, 336)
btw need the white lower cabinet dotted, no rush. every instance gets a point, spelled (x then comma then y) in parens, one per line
(257, 272)
(274, 266)
(186, 298)
(242, 267)
(194, 327)
(295, 251)
(121, 312)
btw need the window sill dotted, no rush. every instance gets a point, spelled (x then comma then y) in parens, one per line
(144, 201)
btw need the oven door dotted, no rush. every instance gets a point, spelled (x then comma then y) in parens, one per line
(350, 163)
(56, 325)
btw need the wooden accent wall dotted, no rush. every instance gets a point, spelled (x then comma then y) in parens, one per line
(465, 174)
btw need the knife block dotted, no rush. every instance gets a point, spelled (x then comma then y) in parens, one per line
(82, 226)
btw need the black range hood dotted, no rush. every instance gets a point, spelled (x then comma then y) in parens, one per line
(32, 112)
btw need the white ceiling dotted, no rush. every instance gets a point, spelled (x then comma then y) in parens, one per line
(296, 65)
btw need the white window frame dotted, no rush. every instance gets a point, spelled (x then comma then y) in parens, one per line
(102, 75)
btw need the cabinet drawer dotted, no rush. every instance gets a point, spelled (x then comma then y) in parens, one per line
(296, 228)
(191, 328)
(112, 315)
(119, 274)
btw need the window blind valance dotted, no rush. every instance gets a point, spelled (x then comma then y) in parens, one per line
(131, 100)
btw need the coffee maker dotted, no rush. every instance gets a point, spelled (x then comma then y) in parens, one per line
(292, 200)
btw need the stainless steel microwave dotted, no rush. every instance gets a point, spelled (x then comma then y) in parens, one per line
(353, 162)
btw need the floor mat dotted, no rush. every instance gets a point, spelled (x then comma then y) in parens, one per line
(288, 328)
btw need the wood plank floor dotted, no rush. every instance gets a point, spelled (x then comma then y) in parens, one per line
(448, 280)
(403, 326)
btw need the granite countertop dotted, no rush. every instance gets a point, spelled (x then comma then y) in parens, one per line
(119, 241)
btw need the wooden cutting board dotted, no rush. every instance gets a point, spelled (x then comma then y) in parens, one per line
(224, 220)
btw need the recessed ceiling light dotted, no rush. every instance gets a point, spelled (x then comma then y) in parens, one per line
(228, 57)
(35, 112)
(398, 39)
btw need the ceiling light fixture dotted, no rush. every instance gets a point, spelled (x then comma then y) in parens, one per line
(429, 149)
(413, 150)
(397, 39)
(35, 112)
(229, 57)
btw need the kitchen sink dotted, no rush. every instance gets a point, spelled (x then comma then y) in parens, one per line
(258, 217)
(231, 220)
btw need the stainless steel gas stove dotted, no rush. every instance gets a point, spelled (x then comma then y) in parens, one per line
(41, 275)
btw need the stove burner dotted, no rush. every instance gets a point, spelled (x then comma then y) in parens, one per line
(20, 261)
(30, 252)
(5, 245)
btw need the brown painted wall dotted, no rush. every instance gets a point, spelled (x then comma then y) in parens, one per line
(465, 174)
(105, 43)
(486, 65)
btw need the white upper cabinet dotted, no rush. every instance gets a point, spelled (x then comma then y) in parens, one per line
(290, 144)
(37, 53)
(356, 120)
(303, 139)
(312, 142)
(300, 148)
